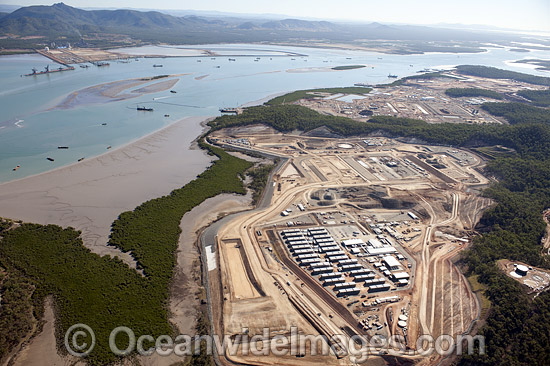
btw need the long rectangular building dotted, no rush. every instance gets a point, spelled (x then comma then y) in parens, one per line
(330, 275)
(361, 271)
(328, 249)
(363, 277)
(308, 261)
(335, 253)
(348, 292)
(296, 242)
(349, 261)
(321, 264)
(337, 259)
(321, 270)
(342, 285)
(381, 251)
(314, 230)
(379, 288)
(294, 248)
(297, 253)
(301, 257)
(350, 267)
(323, 240)
(375, 281)
(333, 281)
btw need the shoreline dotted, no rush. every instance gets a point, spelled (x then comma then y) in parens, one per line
(111, 151)
(91, 194)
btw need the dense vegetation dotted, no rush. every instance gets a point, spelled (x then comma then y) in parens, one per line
(518, 112)
(537, 97)
(494, 73)
(308, 94)
(473, 92)
(16, 312)
(103, 292)
(259, 177)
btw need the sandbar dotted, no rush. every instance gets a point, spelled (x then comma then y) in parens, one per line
(112, 91)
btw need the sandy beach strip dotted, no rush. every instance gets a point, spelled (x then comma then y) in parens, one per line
(91, 194)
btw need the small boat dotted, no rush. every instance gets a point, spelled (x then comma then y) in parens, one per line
(108, 147)
(104, 124)
(392, 76)
(232, 59)
(217, 67)
(50, 159)
(166, 115)
(157, 65)
(62, 147)
(144, 109)
(80, 159)
(348, 58)
(199, 61)
(17, 167)
(173, 91)
(84, 66)
(229, 110)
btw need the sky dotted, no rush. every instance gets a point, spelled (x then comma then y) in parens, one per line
(512, 14)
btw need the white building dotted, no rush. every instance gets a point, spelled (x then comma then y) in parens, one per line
(391, 263)
(353, 242)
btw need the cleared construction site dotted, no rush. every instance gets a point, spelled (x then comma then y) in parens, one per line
(358, 238)
(423, 99)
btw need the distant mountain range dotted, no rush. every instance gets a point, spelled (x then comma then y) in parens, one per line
(61, 21)
(61, 18)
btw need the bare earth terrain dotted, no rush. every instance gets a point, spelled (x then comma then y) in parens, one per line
(386, 195)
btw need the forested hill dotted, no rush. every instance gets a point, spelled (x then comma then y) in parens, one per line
(61, 18)
(61, 21)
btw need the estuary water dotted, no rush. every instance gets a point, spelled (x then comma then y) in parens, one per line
(32, 128)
